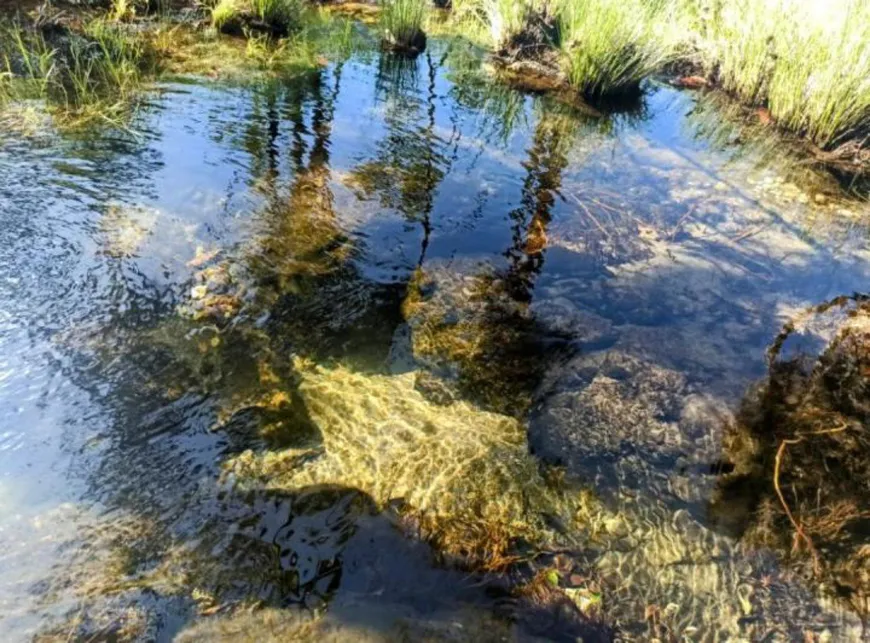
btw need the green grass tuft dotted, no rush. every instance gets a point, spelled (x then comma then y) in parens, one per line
(610, 47)
(810, 65)
(224, 12)
(402, 23)
(281, 13)
(95, 73)
(499, 21)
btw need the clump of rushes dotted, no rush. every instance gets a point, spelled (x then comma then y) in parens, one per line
(274, 17)
(107, 64)
(609, 47)
(504, 22)
(506, 19)
(122, 9)
(402, 25)
(27, 64)
(95, 73)
(811, 71)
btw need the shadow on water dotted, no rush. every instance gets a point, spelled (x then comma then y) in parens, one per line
(378, 277)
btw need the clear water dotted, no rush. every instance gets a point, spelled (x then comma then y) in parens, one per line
(652, 249)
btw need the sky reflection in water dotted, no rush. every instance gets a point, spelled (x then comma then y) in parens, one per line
(145, 280)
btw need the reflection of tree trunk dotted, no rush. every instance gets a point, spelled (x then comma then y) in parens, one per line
(544, 167)
(310, 190)
(299, 229)
(273, 130)
(410, 162)
(432, 178)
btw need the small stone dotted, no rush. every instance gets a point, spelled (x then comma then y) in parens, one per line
(576, 580)
(820, 198)
(198, 292)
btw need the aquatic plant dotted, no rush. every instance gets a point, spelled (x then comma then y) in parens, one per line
(276, 17)
(799, 452)
(504, 21)
(224, 12)
(810, 66)
(610, 47)
(122, 9)
(402, 24)
(28, 63)
(92, 73)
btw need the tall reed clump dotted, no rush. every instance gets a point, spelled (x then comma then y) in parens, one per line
(93, 73)
(608, 47)
(27, 64)
(808, 64)
(106, 65)
(402, 24)
(506, 19)
(277, 17)
(502, 22)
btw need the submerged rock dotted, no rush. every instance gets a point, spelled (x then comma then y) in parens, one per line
(651, 444)
(464, 477)
(627, 425)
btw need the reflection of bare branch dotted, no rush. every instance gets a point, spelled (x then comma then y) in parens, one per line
(591, 216)
(679, 223)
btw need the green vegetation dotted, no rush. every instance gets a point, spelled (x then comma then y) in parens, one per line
(224, 13)
(319, 39)
(93, 73)
(93, 69)
(506, 19)
(122, 9)
(402, 24)
(610, 47)
(809, 66)
(277, 17)
(501, 23)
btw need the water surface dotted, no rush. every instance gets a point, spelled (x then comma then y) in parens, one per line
(609, 283)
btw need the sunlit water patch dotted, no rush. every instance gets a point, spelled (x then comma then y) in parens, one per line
(310, 346)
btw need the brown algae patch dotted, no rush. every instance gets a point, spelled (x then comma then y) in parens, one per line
(125, 230)
(464, 477)
(470, 326)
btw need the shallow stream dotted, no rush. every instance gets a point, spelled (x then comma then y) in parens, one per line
(239, 341)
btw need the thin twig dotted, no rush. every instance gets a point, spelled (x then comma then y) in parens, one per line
(777, 467)
(797, 526)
